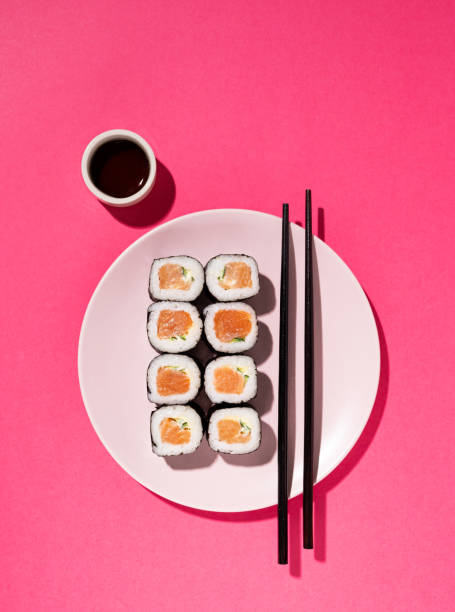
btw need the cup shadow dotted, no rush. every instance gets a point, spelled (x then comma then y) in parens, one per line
(153, 207)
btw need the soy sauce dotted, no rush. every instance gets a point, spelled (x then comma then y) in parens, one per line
(119, 168)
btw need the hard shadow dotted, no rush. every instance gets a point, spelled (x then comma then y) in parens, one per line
(260, 352)
(292, 343)
(202, 353)
(295, 505)
(152, 208)
(350, 462)
(265, 300)
(203, 300)
(264, 398)
(263, 347)
(318, 382)
(321, 224)
(263, 455)
(203, 401)
(202, 457)
(295, 536)
(231, 517)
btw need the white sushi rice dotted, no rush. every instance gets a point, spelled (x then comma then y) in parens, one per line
(191, 270)
(214, 273)
(175, 344)
(242, 364)
(180, 362)
(235, 345)
(187, 418)
(250, 423)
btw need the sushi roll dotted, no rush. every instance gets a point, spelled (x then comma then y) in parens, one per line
(175, 430)
(235, 430)
(230, 328)
(173, 327)
(231, 379)
(173, 379)
(232, 277)
(179, 278)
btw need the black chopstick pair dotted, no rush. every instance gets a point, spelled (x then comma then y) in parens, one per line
(283, 388)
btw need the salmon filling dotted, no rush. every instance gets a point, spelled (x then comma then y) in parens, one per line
(175, 431)
(173, 324)
(228, 380)
(172, 381)
(233, 432)
(235, 275)
(173, 276)
(232, 325)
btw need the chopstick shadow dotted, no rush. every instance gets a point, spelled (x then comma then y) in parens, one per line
(295, 505)
(318, 384)
(153, 207)
(321, 224)
(318, 360)
(322, 490)
(292, 342)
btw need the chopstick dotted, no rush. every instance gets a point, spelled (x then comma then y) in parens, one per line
(309, 376)
(283, 396)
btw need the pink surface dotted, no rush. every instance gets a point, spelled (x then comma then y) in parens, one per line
(245, 106)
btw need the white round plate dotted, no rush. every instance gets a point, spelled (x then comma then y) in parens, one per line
(114, 353)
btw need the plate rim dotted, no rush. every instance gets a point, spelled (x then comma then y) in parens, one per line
(296, 490)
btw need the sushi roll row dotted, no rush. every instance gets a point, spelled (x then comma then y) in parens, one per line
(181, 278)
(176, 379)
(176, 327)
(179, 429)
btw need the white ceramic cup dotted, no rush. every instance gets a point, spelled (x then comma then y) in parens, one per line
(118, 135)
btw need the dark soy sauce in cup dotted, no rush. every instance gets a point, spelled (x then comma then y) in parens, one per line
(119, 168)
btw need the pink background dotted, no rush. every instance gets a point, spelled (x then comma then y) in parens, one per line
(245, 104)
